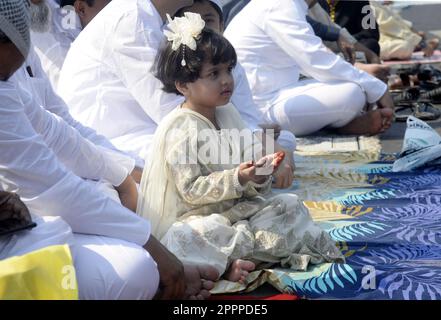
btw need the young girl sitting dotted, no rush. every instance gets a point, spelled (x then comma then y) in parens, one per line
(207, 199)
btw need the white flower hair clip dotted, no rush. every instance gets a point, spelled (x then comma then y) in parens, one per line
(184, 31)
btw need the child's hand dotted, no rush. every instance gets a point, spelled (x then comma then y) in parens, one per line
(260, 171)
(271, 161)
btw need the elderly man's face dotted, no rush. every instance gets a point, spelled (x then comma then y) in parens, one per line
(10, 60)
(40, 16)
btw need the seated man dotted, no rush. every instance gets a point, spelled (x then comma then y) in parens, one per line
(42, 160)
(398, 40)
(352, 15)
(274, 44)
(32, 77)
(55, 26)
(107, 85)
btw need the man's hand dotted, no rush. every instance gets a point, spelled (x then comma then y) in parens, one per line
(128, 193)
(371, 57)
(172, 284)
(271, 126)
(137, 174)
(12, 208)
(346, 48)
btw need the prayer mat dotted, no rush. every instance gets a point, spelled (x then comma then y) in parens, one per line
(387, 225)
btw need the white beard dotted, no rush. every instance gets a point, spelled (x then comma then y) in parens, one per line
(41, 15)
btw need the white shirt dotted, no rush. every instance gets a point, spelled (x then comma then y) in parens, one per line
(42, 159)
(41, 90)
(275, 43)
(52, 46)
(106, 79)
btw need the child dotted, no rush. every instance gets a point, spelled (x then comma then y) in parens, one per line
(206, 210)
(242, 99)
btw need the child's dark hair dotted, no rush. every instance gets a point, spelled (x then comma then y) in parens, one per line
(181, 12)
(211, 47)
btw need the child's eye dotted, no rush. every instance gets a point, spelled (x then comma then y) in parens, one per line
(230, 69)
(214, 74)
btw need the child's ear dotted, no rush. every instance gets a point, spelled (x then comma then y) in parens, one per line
(182, 87)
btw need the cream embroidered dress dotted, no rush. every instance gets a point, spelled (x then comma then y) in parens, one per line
(202, 214)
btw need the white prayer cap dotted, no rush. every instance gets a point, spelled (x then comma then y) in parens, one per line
(218, 3)
(14, 23)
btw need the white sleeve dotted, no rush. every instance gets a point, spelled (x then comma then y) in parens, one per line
(75, 152)
(29, 168)
(289, 29)
(134, 46)
(55, 104)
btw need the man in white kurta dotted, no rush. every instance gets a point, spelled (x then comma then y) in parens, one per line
(32, 77)
(106, 79)
(53, 188)
(53, 44)
(274, 44)
(42, 159)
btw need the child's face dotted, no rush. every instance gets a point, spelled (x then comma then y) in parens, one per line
(208, 14)
(214, 87)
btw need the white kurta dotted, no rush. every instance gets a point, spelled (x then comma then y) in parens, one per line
(275, 43)
(41, 90)
(52, 46)
(106, 80)
(42, 159)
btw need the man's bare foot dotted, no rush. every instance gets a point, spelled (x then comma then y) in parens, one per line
(239, 270)
(199, 280)
(432, 45)
(370, 123)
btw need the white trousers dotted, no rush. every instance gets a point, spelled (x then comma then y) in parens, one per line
(313, 105)
(106, 268)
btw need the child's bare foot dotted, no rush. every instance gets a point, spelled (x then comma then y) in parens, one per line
(370, 123)
(239, 270)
